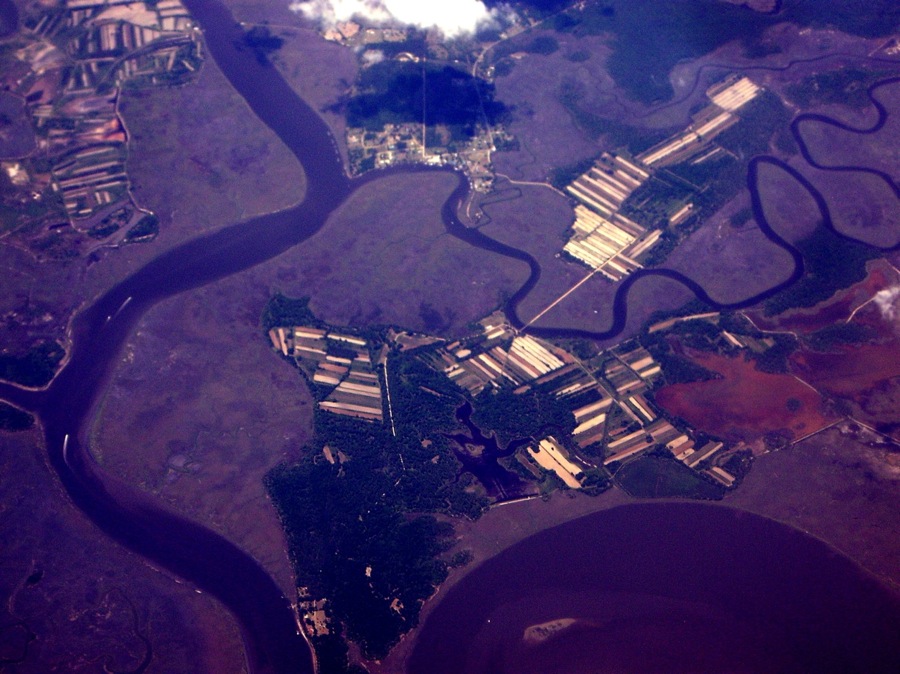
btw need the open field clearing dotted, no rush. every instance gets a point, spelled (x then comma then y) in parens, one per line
(385, 257)
(657, 477)
(841, 486)
(197, 150)
(862, 205)
(866, 374)
(788, 206)
(738, 262)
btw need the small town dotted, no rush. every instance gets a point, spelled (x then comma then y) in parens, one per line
(415, 142)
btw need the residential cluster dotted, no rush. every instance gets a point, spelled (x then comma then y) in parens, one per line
(408, 143)
(75, 59)
(353, 34)
(398, 144)
(313, 613)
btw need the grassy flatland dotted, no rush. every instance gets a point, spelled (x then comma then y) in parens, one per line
(660, 477)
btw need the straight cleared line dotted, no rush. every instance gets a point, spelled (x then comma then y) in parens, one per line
(387, 387)
(562, 297)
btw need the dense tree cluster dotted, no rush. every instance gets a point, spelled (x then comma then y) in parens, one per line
(510, 415)
(13, 419)
(846, 86)
(283, 311)
(360, 529)
(832, 262)
(36, 368)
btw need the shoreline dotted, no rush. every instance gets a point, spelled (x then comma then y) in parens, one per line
(500, 529)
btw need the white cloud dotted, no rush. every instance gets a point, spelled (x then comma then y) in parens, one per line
(451, 18)
(887, 302)
(372, 56)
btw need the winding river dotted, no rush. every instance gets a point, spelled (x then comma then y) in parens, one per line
(99, 333)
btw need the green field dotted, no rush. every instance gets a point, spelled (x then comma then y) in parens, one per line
(659, 477)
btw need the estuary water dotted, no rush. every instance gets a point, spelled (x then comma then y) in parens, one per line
(664, 588)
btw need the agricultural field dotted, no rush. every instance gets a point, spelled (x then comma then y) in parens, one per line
(195, 158)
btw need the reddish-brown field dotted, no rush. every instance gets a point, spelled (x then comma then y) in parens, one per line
(745, 403)
(851, 371)
(838, 308)
(866, 375)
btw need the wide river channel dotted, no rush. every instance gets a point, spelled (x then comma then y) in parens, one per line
(658, 562)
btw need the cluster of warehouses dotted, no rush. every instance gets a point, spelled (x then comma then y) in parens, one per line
(497, 357)
(550, 455)
(625, 378)
(725, 99)
(603, 238)
(338, 362)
